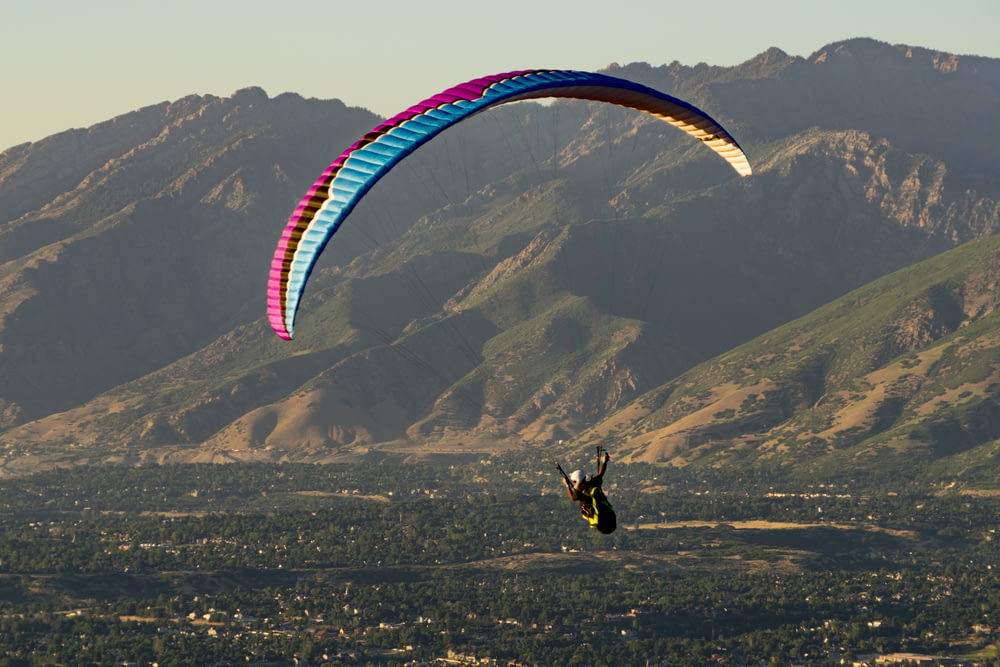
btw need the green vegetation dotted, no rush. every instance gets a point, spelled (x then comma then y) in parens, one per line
(897, 375)
(405, 564)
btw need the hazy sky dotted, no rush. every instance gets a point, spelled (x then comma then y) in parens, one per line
(73, 63)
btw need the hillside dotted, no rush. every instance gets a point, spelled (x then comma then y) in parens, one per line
(900, 375)
(541, 273)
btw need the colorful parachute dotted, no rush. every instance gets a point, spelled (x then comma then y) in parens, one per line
(334, 195)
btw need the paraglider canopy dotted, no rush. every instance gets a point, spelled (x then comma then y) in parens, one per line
(337, 191)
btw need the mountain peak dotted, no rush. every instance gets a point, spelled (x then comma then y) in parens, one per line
(250, 95)
(856, 47)
(871, 51)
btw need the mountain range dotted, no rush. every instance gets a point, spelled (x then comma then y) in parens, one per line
(543, 276)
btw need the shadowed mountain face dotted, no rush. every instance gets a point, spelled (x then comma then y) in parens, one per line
(537, 274)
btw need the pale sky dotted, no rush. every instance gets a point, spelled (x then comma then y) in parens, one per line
(73, 63)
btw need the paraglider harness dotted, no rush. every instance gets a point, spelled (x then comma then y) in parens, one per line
(594, 505)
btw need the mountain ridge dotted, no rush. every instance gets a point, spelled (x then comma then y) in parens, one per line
(531, 277)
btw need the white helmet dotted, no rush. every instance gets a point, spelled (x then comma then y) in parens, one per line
(577, 477)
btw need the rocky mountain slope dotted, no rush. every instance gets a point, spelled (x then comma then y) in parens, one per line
(901, 375)
(539, 274)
